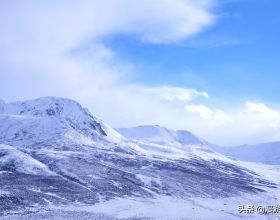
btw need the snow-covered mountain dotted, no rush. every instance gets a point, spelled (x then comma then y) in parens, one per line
(56, 157)
(267, 153)
(161, 135)
(162, 141)
(51, 121)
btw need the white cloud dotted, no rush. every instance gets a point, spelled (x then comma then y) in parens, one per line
(62, 25)
(262, 110)
(253, 123)
(209, 114)
(56, 46)
(274, 126)
(175, 93)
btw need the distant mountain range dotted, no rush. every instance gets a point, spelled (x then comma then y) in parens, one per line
(267, 153)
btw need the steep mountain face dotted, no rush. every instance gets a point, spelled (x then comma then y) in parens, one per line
(267, 153)
(54, 152)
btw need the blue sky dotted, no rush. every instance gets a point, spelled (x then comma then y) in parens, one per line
(239, 53)
(208, 66)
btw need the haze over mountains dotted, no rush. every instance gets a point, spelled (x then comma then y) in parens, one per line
(57, 159)
(267, 153)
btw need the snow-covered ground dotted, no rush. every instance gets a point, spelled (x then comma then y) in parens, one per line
(161, 207)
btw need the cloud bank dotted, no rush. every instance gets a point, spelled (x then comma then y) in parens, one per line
(58, 45)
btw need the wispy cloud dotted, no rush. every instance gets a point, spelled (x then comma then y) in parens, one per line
(209, 114)
(262, 110)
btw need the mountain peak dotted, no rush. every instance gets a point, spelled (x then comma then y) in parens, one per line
(45, 106)
(54, 118)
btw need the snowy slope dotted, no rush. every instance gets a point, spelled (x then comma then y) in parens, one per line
(14, 160)
(161, 141)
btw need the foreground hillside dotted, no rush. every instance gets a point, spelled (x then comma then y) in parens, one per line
(58, 161)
